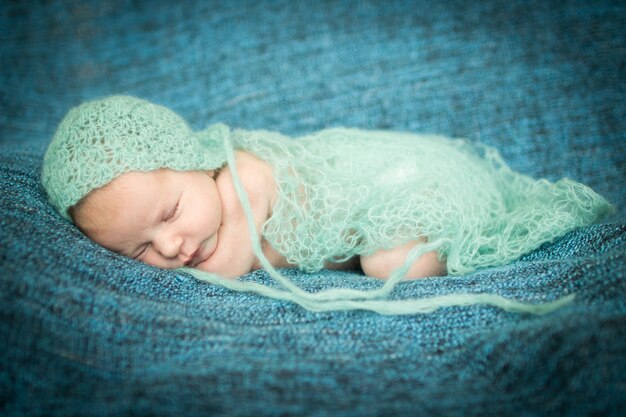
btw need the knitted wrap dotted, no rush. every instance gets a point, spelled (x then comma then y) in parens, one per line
(346, 192)
(102, 139)
(341, 193)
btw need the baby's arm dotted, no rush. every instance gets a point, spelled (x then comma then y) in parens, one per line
(233, 256)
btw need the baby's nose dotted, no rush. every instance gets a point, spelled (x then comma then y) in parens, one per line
(169, 247)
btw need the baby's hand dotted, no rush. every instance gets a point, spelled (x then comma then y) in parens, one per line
(234, 256)
(229, 259)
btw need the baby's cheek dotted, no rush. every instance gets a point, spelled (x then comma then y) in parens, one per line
(154, 259)
(146, 259)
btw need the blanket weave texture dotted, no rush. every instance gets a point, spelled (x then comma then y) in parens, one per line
(86, 332)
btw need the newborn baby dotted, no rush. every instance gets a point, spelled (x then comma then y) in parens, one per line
(172, 219)
(136, 179)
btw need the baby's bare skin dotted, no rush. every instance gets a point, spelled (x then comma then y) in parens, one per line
(234, 256)
(172, 219)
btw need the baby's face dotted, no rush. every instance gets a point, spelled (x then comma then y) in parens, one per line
(164, 218)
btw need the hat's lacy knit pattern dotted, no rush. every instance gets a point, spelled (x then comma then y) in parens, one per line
(347, 192)
(102, 139)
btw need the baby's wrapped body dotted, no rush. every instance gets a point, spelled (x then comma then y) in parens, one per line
(347, 192)
(340, 194)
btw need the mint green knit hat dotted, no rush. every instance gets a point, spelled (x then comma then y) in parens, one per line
(99, 140)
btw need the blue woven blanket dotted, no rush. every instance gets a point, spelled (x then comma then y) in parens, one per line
(86, 332)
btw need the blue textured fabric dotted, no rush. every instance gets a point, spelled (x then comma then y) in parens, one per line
(86, 332)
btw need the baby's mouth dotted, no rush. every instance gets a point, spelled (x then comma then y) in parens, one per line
(197, 257)
(192, 261)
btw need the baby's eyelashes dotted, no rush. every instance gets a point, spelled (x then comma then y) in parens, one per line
(141, 253)
(172, 213)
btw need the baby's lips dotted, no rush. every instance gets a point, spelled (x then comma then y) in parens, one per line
(198, 255)
(190, 260)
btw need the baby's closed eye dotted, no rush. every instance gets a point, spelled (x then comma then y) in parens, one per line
(142, 252)
(173, 212)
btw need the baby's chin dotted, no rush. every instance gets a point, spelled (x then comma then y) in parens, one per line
(212, 268)
(204, 266)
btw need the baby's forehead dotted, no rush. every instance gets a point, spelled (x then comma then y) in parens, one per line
(130, 184)
(142, 184)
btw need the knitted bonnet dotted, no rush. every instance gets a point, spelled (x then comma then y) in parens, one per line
(99, 140)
